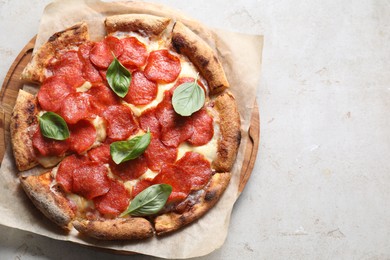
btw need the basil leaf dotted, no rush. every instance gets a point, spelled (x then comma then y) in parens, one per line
(123, 151)
(53, 126)
(150, 201)
(188, 98)
(118, 77)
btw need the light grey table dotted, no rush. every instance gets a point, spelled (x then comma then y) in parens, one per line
(320, 186)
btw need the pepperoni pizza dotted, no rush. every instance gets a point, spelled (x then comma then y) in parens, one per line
(119, 98)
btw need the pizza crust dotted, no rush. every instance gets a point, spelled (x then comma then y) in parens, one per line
(229, 125)
(145, 24)
(73, 36)
(186, 42)
(52, 203)
(115, 229)
(23, 125)
(172, 221)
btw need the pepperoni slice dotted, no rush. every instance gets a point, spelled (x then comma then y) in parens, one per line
(64, 175)
(76, 106)
(115, 201)
(140, 186)
(103, 74)
(164, 111)
(134, 52)
(176, 177)
(130, 170)
(82, 136)
(179, 133)
(149, 121)
(100, 154)
(52, 92)
(141, 91)
(120, 122)
(175, 128)
(90, 73)
(104, 96)
(68, 65)
(90, 180)
(157, 154)
(197, 168)
(101, 54)
(49, 147)
(162, 67)
(202, 124)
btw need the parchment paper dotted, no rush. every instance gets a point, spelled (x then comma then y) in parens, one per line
(241, 57)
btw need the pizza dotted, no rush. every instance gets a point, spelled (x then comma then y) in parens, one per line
(136, 134)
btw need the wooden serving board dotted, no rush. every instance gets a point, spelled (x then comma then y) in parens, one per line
(12, 83)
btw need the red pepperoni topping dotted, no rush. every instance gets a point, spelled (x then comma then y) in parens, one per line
(100, 154)
(175, 128)
(134, 52)
(101, 53)
(176, 177)
(115, 201)
(104, 96)
(149, 121)
(76, 106)
(197, 168)
(141, 91)
(203, 128)
(120, 122)
(130, 170)
(52, 92)
(140, 186)
(162, 67)
(49, 147)
(64, 175)
(179, 133)
(90, 180)
(70, 66)
(82, 136)
(90, 73)
(157, 154)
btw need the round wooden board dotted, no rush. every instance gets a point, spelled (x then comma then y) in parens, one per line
(12, 83)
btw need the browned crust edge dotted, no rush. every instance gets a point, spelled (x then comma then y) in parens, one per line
(145, 24)
(115, 229)
(22, 127)
(73, 36)
(201, 55)
(172, 221)
(52, 204)
(230, 129)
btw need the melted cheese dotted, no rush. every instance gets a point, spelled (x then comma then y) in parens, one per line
(49, 161)
(137, 110)
(85, 87)
(81, 202)
(101, 133)
(209, 150)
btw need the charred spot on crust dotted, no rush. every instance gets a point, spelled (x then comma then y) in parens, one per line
(203, 61)
(238, 137)
(210, 195)
(182, 219)
(30, 109)
(178, 42)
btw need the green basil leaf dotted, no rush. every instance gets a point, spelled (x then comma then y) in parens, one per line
(118, 77)
(53, 126)
(150, 201)
(123, 151)
(188, 98)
